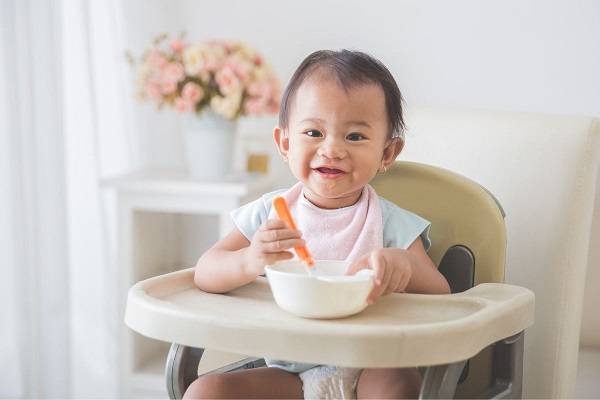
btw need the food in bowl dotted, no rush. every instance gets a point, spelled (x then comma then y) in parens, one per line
(327, 294)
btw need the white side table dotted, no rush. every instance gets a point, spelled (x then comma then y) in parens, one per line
(143, 248)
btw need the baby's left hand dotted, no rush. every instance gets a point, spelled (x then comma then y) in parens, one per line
(391, 267)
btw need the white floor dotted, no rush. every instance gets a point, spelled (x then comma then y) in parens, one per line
(587, 385)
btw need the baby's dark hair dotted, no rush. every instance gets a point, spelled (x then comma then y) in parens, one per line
(349, 68)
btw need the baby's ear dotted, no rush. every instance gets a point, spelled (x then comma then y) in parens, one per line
(281, 141)
(393, 147)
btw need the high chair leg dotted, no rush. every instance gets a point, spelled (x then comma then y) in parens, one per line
(507, 370)
(440, 381)
(181, 368)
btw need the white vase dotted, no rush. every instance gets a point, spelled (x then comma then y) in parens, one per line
(209, 141)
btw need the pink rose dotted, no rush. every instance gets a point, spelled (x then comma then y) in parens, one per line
(260, 90)
(156, 58)
(177, 45)
(168, 87)
(182, 106)
(192, 93)
(152, 90)
(172, 72)
(253, 89)
(254, 106)
(240, 69)
(227, 80)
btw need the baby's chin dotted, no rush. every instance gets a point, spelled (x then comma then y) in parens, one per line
(330, 194)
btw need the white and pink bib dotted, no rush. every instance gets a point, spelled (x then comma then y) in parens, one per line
(337, 234)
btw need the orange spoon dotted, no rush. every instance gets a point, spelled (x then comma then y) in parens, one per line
(284, 214)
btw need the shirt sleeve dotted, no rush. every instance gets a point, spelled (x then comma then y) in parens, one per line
(249, 217)
(402, 227)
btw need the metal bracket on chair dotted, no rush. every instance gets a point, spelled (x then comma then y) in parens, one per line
(440, 381)
(246, 363)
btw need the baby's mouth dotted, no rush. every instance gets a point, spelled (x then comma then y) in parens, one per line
(329, 173)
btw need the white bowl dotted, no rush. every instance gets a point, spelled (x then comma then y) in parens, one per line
(327, 294)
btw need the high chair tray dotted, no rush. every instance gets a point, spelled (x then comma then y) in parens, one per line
(399, 330)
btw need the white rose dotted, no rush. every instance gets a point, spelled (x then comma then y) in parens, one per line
(261, 73)
(227, 106)
(193, 61)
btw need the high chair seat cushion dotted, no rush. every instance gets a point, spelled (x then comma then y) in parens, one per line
(393, 332)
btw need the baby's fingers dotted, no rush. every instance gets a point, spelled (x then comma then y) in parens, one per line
(378, 268)
(272, 258)
(273, 230)
(381, 277)
(280, 245)
(396, 280)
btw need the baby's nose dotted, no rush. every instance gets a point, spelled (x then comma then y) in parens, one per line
(332, 149)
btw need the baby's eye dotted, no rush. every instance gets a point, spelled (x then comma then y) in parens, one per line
(355, 137)
(313, 133)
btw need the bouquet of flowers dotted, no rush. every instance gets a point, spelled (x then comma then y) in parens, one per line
(229, 77)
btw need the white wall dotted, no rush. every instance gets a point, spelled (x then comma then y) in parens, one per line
(537, 56)
(514, 55)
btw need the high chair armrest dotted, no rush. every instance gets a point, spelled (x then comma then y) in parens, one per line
(399, 330)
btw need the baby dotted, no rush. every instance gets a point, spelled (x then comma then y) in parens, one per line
(340, 124)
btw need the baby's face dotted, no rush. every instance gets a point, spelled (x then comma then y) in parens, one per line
(336, 139)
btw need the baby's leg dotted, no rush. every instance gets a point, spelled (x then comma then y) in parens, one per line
(262, 383)
(388, 383)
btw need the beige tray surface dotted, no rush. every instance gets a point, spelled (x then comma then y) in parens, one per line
(399, 330)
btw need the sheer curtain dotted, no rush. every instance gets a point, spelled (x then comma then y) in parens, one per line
(64, 124)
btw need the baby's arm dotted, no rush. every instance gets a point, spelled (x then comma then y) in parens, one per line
(234, 261)
(425, 277)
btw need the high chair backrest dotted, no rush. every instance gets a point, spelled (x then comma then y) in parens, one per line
(461, 212)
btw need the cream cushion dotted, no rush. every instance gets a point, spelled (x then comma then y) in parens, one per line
(543, 170)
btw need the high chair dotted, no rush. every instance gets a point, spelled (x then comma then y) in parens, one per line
(468, 343)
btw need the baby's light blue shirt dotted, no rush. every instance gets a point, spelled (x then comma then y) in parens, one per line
(400, 229)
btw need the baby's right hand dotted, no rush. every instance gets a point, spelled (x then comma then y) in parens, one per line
(269, 244)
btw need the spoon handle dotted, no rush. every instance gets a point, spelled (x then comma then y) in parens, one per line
(284, 214)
